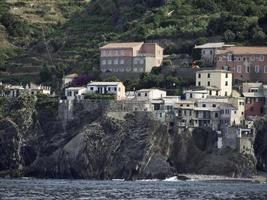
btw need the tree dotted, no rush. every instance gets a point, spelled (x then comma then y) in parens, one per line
(229, 36)
(259, 37)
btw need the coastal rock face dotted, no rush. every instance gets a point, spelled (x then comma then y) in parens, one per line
(97, 144)
(260, 144)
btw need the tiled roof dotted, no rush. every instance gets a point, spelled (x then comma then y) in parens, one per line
(244, 50)
(121, 45)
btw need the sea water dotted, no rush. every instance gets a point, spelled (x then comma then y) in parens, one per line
(27, 189)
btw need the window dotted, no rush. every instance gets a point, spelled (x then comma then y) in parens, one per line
(122, 61)
(238, 69)
(145, 94)
(226, 75)
(210, 52)
(257, 68)
(265, 69)
(204, 105)
(229, 57)
(108, 88)
(252, 58)
(139, 94)
(216, 115)
(116, 61)
(261, 58)
(210, 92)
(69, 93)
(199, 75)
(91, 88)
(257, 99)
(217, 93)
(208, 75)
(214, 105)
(187, 105)
(244, 58)
(191, 95)
(226, 83)
(226, 94)
(109, 62)
(199, 83)
(220, 58)
(247, 69)
(208, 83)
(115, 89)
(104, 62)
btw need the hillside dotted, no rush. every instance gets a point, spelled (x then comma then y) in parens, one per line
(73, 39)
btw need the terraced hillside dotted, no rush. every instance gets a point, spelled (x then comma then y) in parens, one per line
(70, 42)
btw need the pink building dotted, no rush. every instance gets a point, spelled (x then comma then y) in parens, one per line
(246, 63)
(134, 57)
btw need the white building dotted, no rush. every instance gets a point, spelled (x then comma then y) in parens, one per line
(208, 51)
(218, 82)
(196, 94)
(149, 94)
(38, 89)
(66, 80)
(75, 92)
(112, 88)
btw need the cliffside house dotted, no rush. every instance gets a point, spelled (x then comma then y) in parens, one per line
(217, 82)
(72, 93)
(136, 57)
(150, 94)
(12, 90)
(254, 94)
(66, 80)
(38, 89)
(208, 51)
(246, 63)
(113, 88)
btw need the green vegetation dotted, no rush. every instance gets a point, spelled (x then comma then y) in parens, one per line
(74, 30)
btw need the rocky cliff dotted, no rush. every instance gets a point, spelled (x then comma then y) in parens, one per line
(97, 145)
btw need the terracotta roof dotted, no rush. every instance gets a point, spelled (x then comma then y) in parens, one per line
(121, 45)
(244, 50)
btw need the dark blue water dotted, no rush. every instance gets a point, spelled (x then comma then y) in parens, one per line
(22, 189)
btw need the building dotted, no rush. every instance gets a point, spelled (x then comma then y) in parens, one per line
(109, 88)
(254, 99)
(196, 93)
(66, 80)
(150, 94)
(75, 92)
(38, 89)
(12, 90)
(246, 63)
(208, 51)
(218, 82)
(136, 57)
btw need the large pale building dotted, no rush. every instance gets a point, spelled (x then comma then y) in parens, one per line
(246, 63)
(136, 57)
(218, 82)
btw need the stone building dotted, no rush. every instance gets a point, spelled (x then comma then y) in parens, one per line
(136, 57)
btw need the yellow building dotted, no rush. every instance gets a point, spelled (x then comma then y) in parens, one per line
(218, 82)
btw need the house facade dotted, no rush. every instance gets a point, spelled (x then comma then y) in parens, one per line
(150, 94)
(208, 51)
(246, 63)
(38, 89)
(136, 57)
(254, 99)
(218, 82)
(111, 88)
(75, 92)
